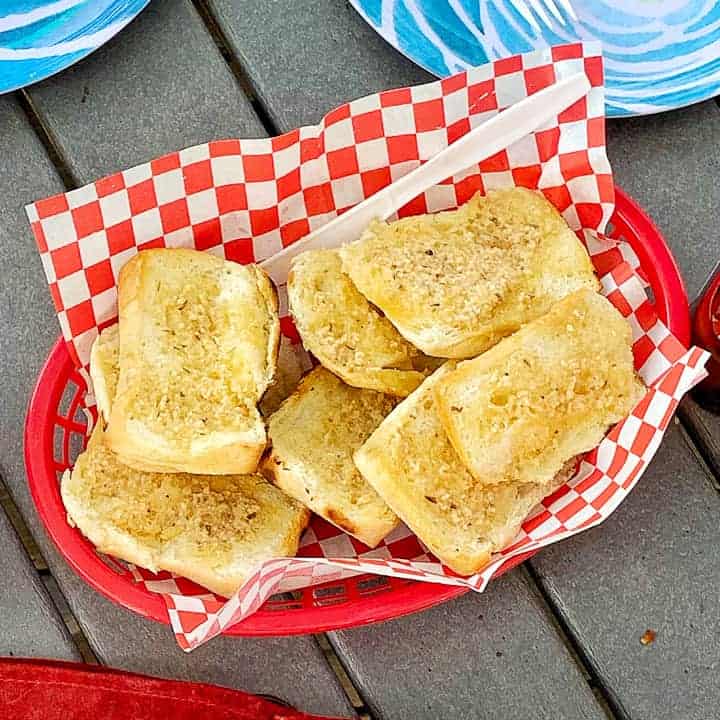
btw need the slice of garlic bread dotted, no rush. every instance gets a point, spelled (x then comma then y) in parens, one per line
(547, 393)
(456, 282)
(213, 530)
(343, 331)
(414, 468)
(313, 437)
(198, 348)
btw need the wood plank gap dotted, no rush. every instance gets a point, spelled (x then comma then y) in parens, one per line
(48, 140)
(58, 600)
(220, 39)
(699, 445)
(22, 530)
(88, 656)
(605, 696)
(336, 665)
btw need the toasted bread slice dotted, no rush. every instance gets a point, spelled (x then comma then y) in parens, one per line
(213, 530)
(549, 392)
(343, 331)
(198, 347)
(313, 436)
(105, 369)
(456, 282)
(291, 364)
(414, 468)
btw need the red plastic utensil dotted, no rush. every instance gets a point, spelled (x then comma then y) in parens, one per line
(706, 334)
(53, 690)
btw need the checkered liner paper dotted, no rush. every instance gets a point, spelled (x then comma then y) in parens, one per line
(246, 199)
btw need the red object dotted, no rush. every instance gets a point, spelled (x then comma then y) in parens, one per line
(706, 334)
(54, 690)
(54, 426)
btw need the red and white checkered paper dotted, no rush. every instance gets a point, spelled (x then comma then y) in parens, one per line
(246, 199)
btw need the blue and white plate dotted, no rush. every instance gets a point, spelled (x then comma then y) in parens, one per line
(41, 37)
(659, 54)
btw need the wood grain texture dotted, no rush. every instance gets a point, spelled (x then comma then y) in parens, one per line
(652, 565)
(158, 86)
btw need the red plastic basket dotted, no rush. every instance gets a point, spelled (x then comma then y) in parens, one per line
(55, 434)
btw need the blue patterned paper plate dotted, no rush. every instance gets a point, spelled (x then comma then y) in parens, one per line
(659, 54)
(41, 37)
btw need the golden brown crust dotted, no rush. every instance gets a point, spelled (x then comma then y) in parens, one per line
(269, 292)
(104, 370)
(211, 462)
(337, 518)
(391, 381)
(290, 369)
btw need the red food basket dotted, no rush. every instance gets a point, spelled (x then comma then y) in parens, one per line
(55, 433)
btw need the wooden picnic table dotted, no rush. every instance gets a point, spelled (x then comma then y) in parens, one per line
(558, 637)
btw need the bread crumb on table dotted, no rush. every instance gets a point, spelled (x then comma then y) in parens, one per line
(648, 637)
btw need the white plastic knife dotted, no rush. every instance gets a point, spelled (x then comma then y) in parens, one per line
(491, 137)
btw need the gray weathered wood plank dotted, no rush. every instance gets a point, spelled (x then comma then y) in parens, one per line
(653, 565)
(303, 60)
(112, 136)
(159, 86)
(478, 656)
(292, 669)
(32, 627)
(669, 163)
(648, 566)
